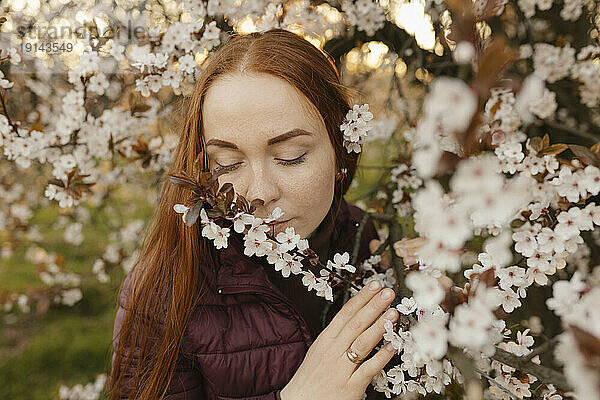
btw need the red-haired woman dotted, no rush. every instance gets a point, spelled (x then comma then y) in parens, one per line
(195, 322)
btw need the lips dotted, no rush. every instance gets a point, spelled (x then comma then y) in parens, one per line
(279, 227)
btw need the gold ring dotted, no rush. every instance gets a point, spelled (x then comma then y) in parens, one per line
(353, 356)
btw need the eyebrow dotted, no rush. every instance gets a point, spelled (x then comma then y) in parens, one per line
(277, 139)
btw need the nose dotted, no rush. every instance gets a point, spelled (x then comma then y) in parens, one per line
(262, 184)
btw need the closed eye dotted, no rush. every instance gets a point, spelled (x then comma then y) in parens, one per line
(232, 167)
(296, 160)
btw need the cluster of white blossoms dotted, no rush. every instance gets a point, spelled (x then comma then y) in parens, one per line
(528, 6)
(535, 99)
(285, 253)
(576, 303)
(62, 286)
(170, 59)
(482, 200)
(355, 127)
(423, 369)
(571, 10)
(90, 391)
(386, 279)
(366, 15)
(122, 250)
(449, 108)
(586, 72)
(553, 63)
(407, 181)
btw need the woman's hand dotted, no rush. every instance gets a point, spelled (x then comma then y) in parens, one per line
(326, 373)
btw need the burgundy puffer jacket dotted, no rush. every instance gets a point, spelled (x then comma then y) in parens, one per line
(246, 339)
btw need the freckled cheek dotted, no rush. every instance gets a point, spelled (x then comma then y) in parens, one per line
(309, 188)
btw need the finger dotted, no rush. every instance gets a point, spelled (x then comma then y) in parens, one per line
(365, 318)
(385, 256)
(386, 261)
(446, 282)
(366, 341)
(363, 375)
(410, 260)
(374, 245)
(352, 306)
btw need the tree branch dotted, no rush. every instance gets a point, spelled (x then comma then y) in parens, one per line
(395, 235)
(573, 131)
(544, 374)
(541, 348)
(8, 116)
(357, 238)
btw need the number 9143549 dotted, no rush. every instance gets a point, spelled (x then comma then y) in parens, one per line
(48, 47)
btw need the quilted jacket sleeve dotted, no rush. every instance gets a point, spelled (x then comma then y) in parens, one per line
(187, 382)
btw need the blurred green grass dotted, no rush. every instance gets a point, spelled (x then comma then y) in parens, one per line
(67, 345)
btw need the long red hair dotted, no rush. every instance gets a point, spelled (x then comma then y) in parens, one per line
(176, 264)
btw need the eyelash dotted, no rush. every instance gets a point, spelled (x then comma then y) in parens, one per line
(295, 161)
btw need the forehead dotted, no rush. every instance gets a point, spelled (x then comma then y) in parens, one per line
(256, 105)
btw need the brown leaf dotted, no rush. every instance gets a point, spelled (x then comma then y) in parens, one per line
(536, 143)
(516, 223)
(140, 147)
(131, 100)
(553, 150)
(564, 204)
(92, 27)
(460, 6)
(56, 182)
(495, 58)
(487, 9)
(255, 203)
(495, 108)
(60, 260)
(183, 182)
(453, 299)
(545, 141)
(522, 376)
(584, 154)
(447, 162)
(226, 188)
(204, 178)
(70, 174)
(313, 258)
(488, 277)
(588, 344)
(140, 108)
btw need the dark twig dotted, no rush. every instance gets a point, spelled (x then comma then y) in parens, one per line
(544, 374)
(382, 246)
(497, 384)
(384, 217)
(357, 238)
(395, 235)
(542, 348)
(7, 115)
(573, 131)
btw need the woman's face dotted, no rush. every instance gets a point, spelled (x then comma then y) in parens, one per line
(274, 144)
